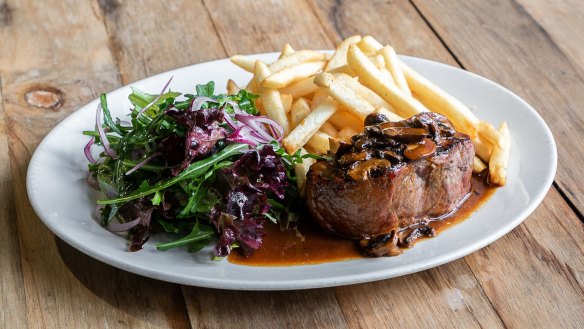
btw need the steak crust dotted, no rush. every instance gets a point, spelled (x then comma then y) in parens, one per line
(377, 184)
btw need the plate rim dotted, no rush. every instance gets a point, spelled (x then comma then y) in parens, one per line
(304, 283)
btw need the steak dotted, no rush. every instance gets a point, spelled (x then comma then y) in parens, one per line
(392, 176)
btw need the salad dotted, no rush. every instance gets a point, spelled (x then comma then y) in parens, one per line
(201, 166)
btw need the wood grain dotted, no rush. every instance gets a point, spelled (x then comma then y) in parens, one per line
(562, 22)
(279, 309)
(534, 276)
(267, 26)
(512, 49)
(448, 296)
(149, 37)
(62, 48)
(12, 302)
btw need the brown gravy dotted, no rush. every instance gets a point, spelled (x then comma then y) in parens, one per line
(282, 248)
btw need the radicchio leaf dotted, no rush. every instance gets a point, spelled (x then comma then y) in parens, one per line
(203, 133)
(247, 182)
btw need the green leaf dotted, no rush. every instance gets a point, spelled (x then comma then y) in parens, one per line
(206, 90)
(193, 171)
(199, 233)
(107, 117)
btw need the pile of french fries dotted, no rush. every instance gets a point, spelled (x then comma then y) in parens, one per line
(316, 97)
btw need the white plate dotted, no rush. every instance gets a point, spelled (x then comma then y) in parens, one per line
(59, 194)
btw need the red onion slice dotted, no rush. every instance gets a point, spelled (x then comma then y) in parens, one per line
(155, 99)
(102, 136)
(122, 227)
(145, 161)
(87, 150)
(198, 102)
(251, 121)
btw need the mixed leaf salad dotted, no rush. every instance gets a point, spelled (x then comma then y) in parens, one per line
(201, 166)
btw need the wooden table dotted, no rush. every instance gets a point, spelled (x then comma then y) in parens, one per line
(531, 278)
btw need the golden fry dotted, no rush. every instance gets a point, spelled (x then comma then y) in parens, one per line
(309, 126)
(298, 57)
(319, 142)
(346, 133)
(367, 94)
(369, 45)
(286, 51)
(292, 74)
(372, 77)
(301, 169)
(328, 128)
(393, 65)
(271, 99)
(478, 165)
(286, 101)
(301, 88)
(344, 94)
(300, 109)
(343, 118)
(232, 87)
(441, 102)
(500, 157)
(245, 62)
(340, 56)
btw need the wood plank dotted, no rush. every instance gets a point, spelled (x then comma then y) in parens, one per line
(12, 302)
(534, 276)
(211, 308)
(395, 22)
(562, 22)
(62, 48)
(512, 49)
(262, 26)
(149, 37)
(448, 296)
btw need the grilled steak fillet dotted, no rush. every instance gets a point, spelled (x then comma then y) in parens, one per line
(393, 175)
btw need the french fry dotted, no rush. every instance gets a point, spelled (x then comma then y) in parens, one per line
(342, 119)
(271, 99)
(478, 165)
(390, 115)
(346, 133)
(344, 94)
(300, 109)
(286, 51)
(441, 102)
(298, 57)
(251, 86)
(367, 94)
(320, 95)
(371, 77)
(245, 62)
(393, 65)
(369, 45)
(301, 88)
(340, 56)
(309, 126)
(319, 142)
(488, 133)
(292, 74)
(286, 101)
(301, 169)
(482, 149)
(232, 87)
(500, 157)
(328, 128)
(342, 69)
